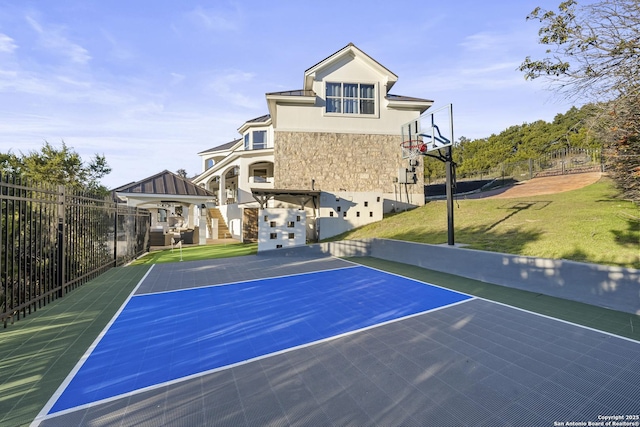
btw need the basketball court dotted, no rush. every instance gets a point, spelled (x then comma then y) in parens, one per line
(295, 340)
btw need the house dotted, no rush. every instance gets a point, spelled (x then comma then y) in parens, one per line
(330, 150)
(177, 206)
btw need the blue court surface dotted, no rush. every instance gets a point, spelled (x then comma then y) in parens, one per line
(166, 337)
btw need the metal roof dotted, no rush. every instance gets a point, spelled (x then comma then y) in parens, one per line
(165, 182)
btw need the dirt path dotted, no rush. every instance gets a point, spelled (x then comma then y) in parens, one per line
(540, 186)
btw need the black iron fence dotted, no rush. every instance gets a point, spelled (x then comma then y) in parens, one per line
(53, 239)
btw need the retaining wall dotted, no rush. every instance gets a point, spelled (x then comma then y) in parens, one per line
(616, 288)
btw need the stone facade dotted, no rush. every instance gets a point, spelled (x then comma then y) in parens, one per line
(339, 162)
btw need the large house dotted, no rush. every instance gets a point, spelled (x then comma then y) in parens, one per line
(330, 151)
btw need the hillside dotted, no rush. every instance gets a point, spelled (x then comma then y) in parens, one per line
(590, 224)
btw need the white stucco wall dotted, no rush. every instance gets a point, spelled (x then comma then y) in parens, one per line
(281, 228)
(314, 119)
(344, 211)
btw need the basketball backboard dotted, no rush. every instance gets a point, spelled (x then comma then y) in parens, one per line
(431, 131)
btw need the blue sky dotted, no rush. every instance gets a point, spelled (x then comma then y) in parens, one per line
(149, 84)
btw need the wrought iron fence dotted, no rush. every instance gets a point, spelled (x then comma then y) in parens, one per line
(53, 239)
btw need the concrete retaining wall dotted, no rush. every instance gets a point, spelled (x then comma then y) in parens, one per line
(616, 288)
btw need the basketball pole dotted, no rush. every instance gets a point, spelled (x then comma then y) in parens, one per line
(449, 165)
(449, 171)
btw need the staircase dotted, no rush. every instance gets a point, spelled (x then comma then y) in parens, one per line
(223, 230)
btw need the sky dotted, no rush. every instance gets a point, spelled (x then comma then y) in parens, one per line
(150, 84)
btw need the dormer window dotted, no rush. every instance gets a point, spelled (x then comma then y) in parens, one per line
(350, 98)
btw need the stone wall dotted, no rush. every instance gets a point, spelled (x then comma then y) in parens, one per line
(339, 162)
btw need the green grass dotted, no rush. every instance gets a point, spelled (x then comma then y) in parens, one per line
(196, 253)
(589, 225)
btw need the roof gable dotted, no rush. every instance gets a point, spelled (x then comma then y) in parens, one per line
(350, 51)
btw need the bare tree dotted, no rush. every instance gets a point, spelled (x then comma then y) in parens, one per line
(594, 56)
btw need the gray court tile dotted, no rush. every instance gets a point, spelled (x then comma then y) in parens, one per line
(435, 390)
(256, 383)
(438, 415)
(575, 383)
(342, 410)
(508, 387)
(620, 404)
(488, 398)
(590, 410)
(612, 354)
(540, 404)
(517, 415)
(475, 363)
(228, 414)
(263, 410)
(584, 368)
(467, 411)
(569, 354)
(463, 374)
(537, 367)
(559, 393)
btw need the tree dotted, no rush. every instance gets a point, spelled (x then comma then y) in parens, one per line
(58, 166)
(182, 173)
(594, 55)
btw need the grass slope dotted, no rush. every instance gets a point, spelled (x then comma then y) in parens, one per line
(589, 225)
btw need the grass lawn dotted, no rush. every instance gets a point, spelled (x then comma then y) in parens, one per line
(196, 253)
(589, 225)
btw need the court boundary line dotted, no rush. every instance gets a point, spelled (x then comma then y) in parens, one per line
(256, 280)
(511, 306)
(43, 414)
(254, 359)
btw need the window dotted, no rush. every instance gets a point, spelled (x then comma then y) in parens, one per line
(291, 224)
(350, 98)
(272, 224)
(162, 215)
(292, 236)
(259, 175)
(256, 140)
(273, 236)
(259, 139)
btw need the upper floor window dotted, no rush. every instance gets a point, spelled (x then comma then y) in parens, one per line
(255, 140)
(259, 139)
(350, 98)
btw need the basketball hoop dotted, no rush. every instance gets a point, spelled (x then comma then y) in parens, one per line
(413, 148)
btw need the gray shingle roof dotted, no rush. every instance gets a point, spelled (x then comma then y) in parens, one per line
(222, 147)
